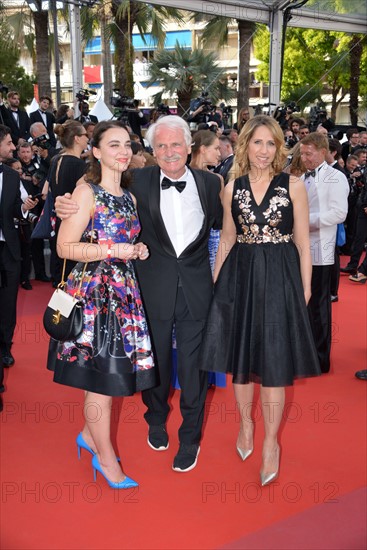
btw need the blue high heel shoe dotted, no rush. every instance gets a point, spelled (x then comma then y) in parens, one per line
(128, 483)
(81, 444)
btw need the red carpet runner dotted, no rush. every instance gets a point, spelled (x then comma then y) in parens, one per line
(49, 499)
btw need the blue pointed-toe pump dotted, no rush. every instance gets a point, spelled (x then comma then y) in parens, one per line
(128, 483)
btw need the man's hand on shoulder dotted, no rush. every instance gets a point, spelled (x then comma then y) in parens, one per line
(65, 206)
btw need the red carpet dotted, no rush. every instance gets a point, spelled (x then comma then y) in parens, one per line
(49, 499)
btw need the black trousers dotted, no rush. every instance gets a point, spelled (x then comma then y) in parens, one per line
(319, 309)
(359, 240)
(38, 257)
(193, 382)
(8, 301)
(335, 273)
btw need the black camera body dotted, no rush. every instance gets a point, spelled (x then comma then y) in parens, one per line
(3, 88)
(318, 115)
(281, 113)
(31, 169)
(163, 109)
(41, 141)
(83, 94)
(123, 106)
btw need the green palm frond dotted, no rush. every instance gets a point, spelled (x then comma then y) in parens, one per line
(216, 31)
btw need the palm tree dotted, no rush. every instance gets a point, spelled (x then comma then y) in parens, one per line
(22, 25)
(216, 32)
(147, 18)
(187, 73)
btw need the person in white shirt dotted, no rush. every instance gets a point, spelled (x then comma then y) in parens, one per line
(327, 191)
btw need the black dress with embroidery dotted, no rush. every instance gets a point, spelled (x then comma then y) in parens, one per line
(258, 327)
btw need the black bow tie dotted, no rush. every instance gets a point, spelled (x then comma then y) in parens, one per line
(311, 173)
(167, 183)
(1, 168)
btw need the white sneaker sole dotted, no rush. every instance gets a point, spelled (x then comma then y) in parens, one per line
(157, 448)
(190, 467)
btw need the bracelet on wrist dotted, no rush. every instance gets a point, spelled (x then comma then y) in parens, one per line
(109, 245)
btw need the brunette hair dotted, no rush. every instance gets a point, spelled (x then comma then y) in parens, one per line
(68, 131)
(94, 174)
(202, 137)
(136, 147)
(241, 164)
(12, 94)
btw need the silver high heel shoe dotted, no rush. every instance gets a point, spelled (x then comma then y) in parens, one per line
(268, 478)
(244, 453)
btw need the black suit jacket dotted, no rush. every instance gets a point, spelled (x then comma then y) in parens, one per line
(10, 208)
(224, 167)
(160, 273)
(21, 131)
(92, 118)
(35, 116)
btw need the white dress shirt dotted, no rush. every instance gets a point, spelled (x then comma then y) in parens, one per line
(182, 213)
(43, 116)
(328, 205)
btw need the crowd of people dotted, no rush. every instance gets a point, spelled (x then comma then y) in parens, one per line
(224, 237)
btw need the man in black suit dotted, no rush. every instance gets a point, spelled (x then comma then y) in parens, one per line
(43, 115)
(16, 119)
(85, 116)
(11, 207)
(227, 156)
(177, 207)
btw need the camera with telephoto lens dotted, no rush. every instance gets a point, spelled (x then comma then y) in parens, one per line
(205, 102)
(3, 88)
(226, 110)
(123, 106)
(83, 94)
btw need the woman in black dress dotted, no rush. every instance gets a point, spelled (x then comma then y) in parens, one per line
(65, 171)
(258, 328)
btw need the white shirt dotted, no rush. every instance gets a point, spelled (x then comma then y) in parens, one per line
(43, 116)
(182, 213)
(328, 205)
(16, 116)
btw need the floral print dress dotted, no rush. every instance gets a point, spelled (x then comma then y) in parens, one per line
(113, 355)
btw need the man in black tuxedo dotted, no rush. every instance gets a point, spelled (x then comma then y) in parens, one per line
(43, 115)
(85, 116)
(16, 119)
(11, 207)
(227, 156)
(177, 207)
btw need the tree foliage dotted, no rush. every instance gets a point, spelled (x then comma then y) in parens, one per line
(186, 74)
(315, 63)
(11, 73)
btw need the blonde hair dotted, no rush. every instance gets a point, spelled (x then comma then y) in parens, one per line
(241, 164)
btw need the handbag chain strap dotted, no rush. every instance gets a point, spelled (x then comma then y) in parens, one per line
(63, 282)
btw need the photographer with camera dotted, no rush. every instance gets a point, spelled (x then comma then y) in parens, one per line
(356, 181)
(15, 118)
(44, 116)
(283, 115)
(202, 110)
(24, 225)
(43, 152)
